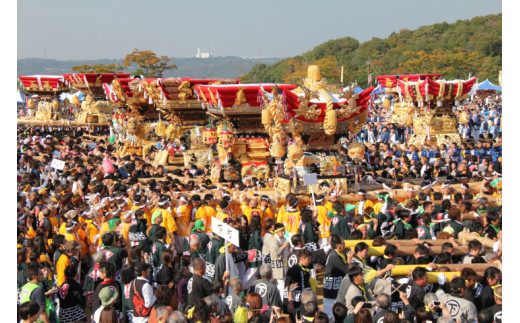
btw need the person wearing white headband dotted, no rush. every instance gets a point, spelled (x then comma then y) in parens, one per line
(446, 192)
(464, 190)
(183, 216)
(168, 221)
(270, 183)
(381, 205)
(124, 227)
(363, 202)
(410, 193)
(131, 193)
(265, 208)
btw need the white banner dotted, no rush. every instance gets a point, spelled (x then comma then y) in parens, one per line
(58, 164)
(225, 231)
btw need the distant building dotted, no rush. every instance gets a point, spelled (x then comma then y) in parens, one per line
(203, 55)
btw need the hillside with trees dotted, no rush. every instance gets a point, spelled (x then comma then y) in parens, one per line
(454, 50)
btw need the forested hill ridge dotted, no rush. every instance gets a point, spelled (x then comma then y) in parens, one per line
(213, 67)
(454, 50)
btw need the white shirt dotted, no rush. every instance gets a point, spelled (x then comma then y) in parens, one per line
(148, 296)
(149, 300)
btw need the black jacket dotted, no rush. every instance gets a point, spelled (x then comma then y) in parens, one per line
(198, 288)
(415, 295)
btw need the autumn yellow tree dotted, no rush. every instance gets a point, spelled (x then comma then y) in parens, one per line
(456, 64)
(148, 64)
(328, 67)
(98, 68)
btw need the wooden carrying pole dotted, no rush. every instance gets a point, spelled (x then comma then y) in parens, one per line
(353, 243)
(402, 270)
(409, 250)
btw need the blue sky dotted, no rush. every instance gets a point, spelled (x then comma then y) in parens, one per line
(92, 29)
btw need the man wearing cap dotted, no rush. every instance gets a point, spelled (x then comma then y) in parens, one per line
(198, 230)
(363, 202)
(142, 287)
(157, 219)
(67, 258)
(108, 297)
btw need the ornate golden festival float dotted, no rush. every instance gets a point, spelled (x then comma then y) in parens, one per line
(300, 126)
(426, 102)
(237, 131)
(43, 105)
(297, 121)
(95, 110)
(154, 114)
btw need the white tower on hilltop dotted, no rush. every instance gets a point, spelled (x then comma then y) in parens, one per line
(202, 55)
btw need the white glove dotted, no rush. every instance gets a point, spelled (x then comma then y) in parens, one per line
(403, 281)
(441, 279)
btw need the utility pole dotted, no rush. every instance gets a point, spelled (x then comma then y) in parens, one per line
(369, 79)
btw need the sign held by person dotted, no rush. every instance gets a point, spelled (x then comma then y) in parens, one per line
(225, 231)
(58, 164)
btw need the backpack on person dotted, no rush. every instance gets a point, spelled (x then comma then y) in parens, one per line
(138, 302)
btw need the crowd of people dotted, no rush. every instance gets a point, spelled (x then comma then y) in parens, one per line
(115, 239)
